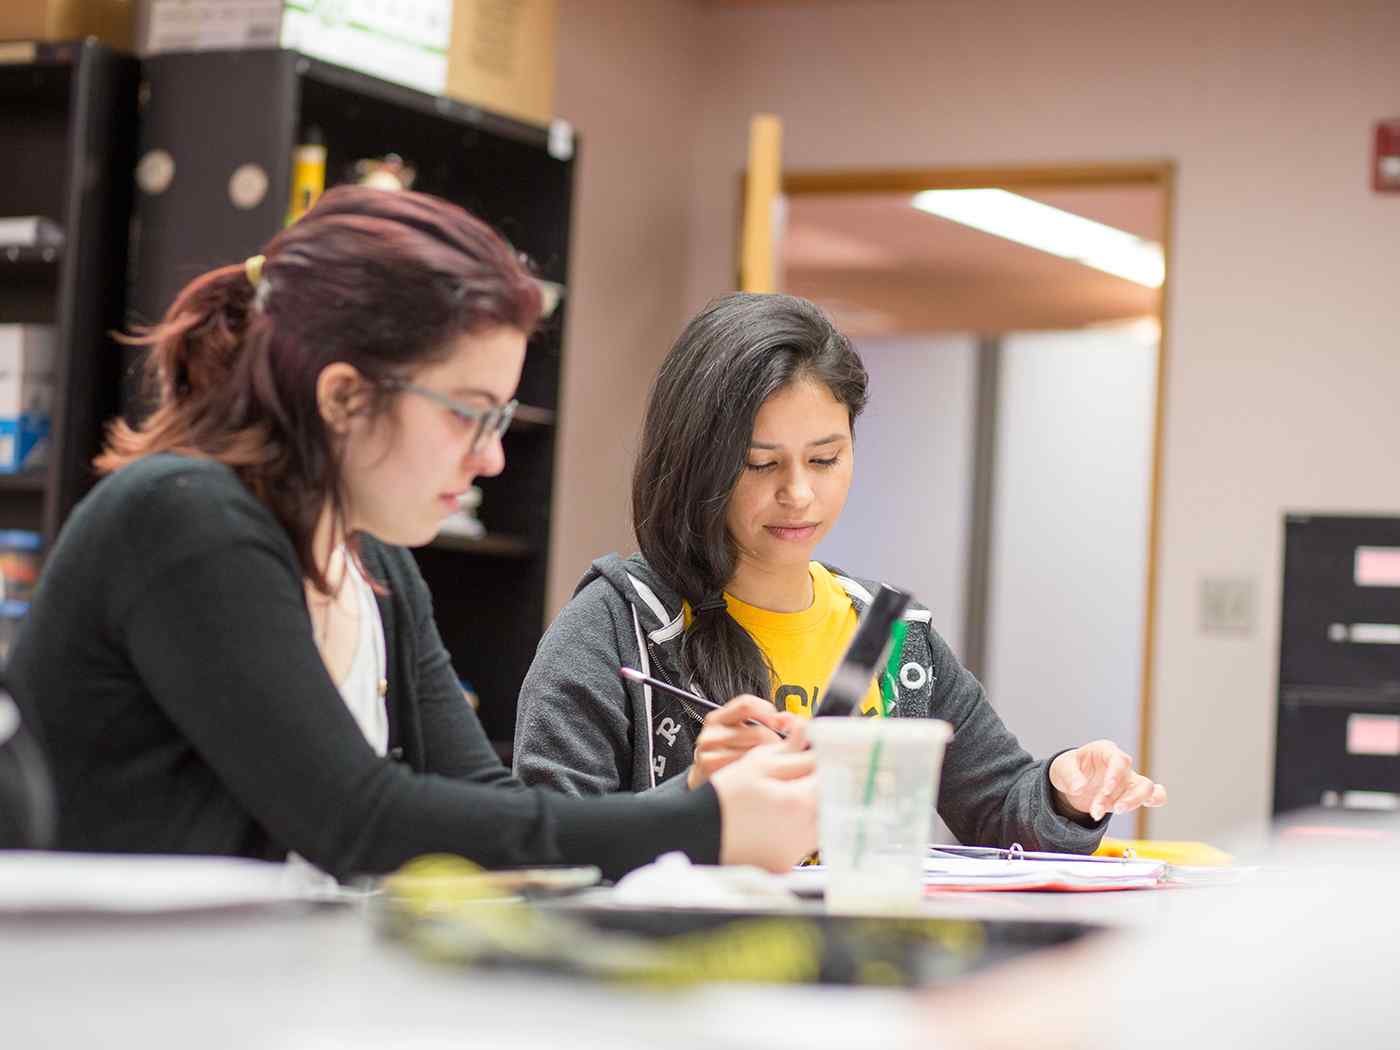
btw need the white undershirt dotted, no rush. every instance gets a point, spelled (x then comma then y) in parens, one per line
(361, 691)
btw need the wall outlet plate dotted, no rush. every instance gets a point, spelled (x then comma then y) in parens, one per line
(1227, 605)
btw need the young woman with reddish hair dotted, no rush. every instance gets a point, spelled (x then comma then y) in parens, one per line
(231, 652)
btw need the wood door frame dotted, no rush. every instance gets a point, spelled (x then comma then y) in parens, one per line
(1159, 174)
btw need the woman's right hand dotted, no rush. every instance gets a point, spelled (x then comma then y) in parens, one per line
(768, 804)
(725, 735)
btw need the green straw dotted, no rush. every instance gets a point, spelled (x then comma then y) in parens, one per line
(888, 693)
(887, 700)
(870, 772)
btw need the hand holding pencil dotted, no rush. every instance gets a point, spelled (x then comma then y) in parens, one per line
(736, 728)
(730, 730)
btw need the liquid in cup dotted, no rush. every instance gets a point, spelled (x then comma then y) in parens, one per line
(878, 783)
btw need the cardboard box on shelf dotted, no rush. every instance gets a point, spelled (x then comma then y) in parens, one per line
(502, 56)
(108, 20)
(26, 394)
(497, 54)
(404, 41)
(203, 25)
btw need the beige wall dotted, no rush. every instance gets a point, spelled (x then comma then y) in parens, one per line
(631, 90)
(1283, 325)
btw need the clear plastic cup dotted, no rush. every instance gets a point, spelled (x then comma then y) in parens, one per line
(878, 780)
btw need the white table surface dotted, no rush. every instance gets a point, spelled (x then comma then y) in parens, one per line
(311, 977)
(304, 980)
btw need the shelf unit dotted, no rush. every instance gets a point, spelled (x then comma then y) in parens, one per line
(214, 113)
(491, 544)
(68, 132)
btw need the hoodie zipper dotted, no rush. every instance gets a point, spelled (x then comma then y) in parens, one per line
(660, 672)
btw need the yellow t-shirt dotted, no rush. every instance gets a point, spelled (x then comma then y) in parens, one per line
(804, 647)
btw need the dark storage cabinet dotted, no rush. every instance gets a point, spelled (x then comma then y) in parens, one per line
(67, 133)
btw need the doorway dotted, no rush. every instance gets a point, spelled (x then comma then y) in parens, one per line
(1010, 456)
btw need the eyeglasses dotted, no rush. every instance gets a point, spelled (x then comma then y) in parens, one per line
(494, 421)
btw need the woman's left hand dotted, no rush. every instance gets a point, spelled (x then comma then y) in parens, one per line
(1098, 778)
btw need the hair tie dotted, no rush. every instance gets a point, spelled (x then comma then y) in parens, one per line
(253, 267)
(712, 603)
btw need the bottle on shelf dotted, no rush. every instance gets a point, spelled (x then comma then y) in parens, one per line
(308, 174)
(20, 562)
(465, 523)
(389, 172)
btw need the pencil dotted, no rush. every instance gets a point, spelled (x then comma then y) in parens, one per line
(633, 675)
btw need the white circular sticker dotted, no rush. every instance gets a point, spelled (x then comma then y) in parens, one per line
(247, 186)
(913, 676)
(155, 172)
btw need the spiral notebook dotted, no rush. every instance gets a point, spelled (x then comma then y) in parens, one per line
(988, 868)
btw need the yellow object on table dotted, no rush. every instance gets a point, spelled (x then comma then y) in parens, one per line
(1193, 854)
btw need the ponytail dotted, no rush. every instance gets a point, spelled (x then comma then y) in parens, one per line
(723, 660)
(718, 657)
(194, 353)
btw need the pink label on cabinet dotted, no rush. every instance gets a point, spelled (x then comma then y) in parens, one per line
(1373, 735)
(1378, 566)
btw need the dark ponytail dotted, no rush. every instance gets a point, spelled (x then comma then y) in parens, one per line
(732, 357)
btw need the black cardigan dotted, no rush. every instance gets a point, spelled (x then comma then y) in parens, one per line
(169, 659)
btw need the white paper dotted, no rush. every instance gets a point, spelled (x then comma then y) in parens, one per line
(976, 873)
(943, 870)
(37, 881)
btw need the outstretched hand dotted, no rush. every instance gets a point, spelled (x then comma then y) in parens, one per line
(1098, 778)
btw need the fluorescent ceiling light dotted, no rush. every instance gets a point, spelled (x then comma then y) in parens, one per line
(1061, 233)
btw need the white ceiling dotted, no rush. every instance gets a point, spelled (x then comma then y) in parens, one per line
(879, 266)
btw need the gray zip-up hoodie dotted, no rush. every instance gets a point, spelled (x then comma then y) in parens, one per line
(581, 729)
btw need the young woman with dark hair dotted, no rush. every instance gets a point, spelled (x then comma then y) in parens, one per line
(745, 463)
(231, 652)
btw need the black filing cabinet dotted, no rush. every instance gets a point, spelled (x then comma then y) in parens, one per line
(1338, 740)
